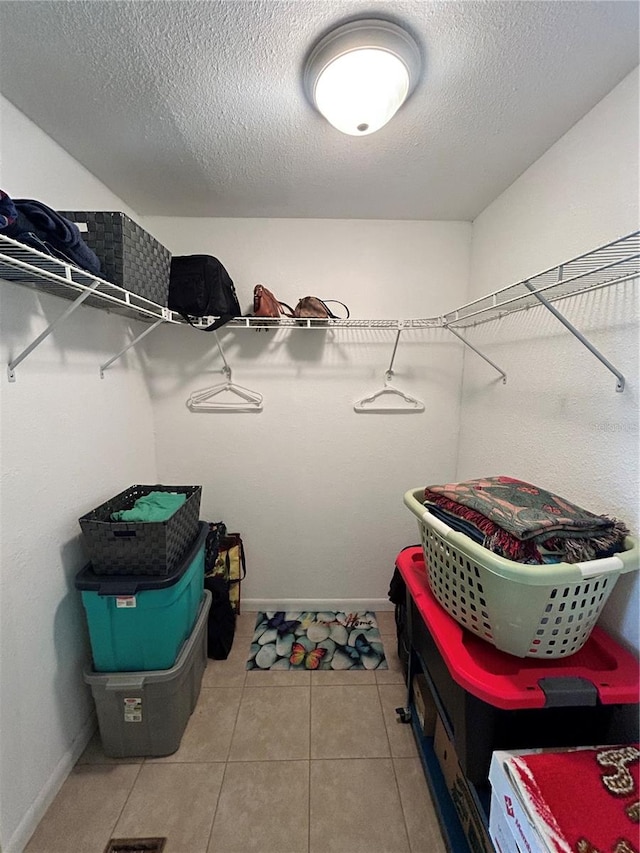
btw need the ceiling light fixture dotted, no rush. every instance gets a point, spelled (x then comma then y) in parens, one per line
(360, 74)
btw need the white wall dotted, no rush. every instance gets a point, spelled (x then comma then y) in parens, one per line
(558, 421)
(283, 477)
(315, 488)
(68, 441)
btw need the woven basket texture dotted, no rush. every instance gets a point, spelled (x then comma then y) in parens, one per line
(140, 548)
(130, 257)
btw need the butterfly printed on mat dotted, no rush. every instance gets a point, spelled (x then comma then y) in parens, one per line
(283, 626)
(361, 646)
(311, 660)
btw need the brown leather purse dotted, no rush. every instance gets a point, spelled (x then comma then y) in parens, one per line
(265, 304)
(312, 307)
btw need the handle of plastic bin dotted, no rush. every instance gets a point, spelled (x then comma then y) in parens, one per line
(121, 682)
(607, 565)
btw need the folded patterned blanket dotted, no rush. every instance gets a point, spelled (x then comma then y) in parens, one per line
(516, 518)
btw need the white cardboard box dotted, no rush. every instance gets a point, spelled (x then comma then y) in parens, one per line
(505, 799)
(499, 829)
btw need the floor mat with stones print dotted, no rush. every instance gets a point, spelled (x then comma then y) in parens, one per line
(286, 640)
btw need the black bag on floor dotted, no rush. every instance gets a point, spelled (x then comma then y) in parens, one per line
(221, 625)
(398, 596)
(200, 286)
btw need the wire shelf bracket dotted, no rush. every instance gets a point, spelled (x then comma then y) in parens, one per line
(11, 367)
(477, 351)
(142, 335)
(577, 333)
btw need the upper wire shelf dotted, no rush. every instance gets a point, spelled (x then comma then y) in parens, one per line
(317, 323)
(23, 265)
(610, 264)
(613, 263)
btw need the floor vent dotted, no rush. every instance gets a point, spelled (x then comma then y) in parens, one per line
(135, 845)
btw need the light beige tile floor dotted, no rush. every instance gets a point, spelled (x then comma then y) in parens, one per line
(288, 762)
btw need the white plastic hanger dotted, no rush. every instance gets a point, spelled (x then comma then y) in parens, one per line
(407, 403)
(245, 400)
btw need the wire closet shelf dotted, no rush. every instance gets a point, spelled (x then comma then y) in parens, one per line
(21, 264)
(613, 263)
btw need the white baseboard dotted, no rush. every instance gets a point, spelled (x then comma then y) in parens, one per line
(337, 605)
(37, 809)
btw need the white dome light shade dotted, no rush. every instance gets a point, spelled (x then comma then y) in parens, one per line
(360, 74)
(361, 90)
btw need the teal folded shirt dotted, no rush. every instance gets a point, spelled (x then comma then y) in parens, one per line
(156, 506)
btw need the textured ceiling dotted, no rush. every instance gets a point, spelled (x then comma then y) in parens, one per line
(197, 108)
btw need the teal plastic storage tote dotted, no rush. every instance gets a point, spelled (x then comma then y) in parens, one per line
(139, 622)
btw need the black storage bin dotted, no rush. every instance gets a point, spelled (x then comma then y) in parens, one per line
(479, 728)
(129, 256)
(140, 547)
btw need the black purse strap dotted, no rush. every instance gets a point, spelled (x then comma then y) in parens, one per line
(331, 314)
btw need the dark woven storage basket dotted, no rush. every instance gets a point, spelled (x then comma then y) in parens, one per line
(140, 547)
(129, 256)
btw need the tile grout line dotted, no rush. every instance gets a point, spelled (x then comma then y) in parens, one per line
(226, 764)
(393, 767)
(311, 689)
(215, 810)
(235, 721)
(124, 805)
(402, 808)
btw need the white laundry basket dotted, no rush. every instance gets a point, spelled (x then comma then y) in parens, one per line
(542, 611)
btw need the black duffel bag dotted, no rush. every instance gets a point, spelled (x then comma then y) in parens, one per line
(200, 286)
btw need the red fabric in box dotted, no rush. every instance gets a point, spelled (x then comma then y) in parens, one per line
(585, 801)
(503, 680)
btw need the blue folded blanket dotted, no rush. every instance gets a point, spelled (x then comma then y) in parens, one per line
(34, 224)
(455, 522)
